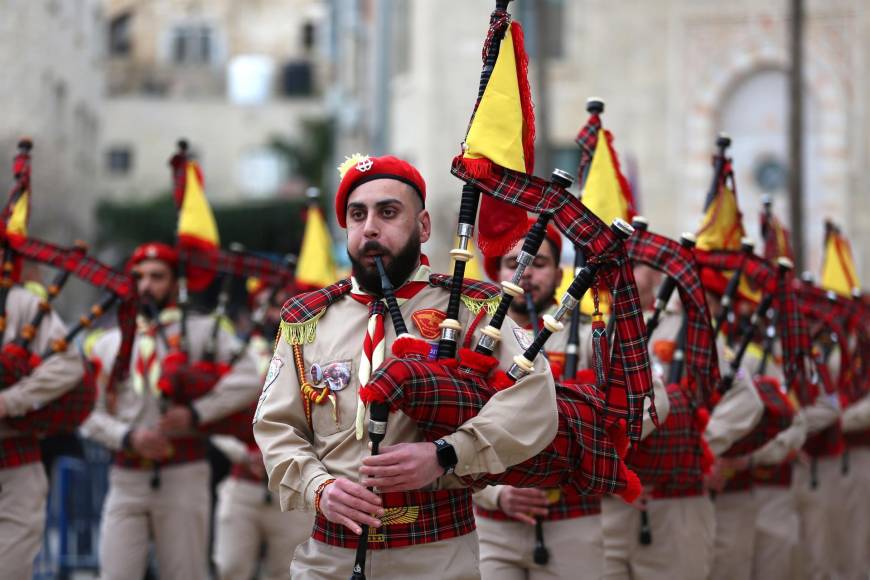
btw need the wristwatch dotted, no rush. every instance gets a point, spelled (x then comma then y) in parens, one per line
(446, 455)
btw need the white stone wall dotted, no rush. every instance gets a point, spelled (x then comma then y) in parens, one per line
(51, 55)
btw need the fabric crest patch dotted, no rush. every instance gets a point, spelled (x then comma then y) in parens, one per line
(427, 321)
(275, 367)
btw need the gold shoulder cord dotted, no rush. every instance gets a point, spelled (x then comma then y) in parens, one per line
(309, 392)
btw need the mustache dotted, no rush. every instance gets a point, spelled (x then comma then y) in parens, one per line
(375, 247)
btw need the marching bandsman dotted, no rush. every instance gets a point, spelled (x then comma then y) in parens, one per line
(307, 419)
(23, 483)
(855, 483)
(159, 484)
(248, 515)
(735, 415)
(507, 516)
(668, 532)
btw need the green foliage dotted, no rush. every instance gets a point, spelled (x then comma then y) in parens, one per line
(265, 226)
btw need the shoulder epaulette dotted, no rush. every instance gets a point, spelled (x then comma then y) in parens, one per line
(476, 295)
(300, 314)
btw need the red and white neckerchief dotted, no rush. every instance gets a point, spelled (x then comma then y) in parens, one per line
(374, 343)
(146, 366)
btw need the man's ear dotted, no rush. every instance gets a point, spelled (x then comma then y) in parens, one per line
(424, 222)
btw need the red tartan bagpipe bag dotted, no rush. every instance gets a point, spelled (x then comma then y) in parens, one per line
(594, 426)
(68, 411)
(182, 382)
(674, 458)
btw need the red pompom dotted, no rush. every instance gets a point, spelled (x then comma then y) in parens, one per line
(702, 417)
(585, 377)
(476, 361)
(410, 347)
(633, 487)
(556, 368)
(500, 381)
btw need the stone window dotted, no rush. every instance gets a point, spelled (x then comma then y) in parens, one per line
(119, 160)
(120, 41)
(193, 44)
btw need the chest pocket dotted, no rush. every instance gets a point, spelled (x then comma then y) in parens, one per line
(336, 386)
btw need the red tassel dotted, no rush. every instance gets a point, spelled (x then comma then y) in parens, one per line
(600, 352)
(500, 226)
(702, 418)
(367, 395)
(410, 347)
(522, 60)
(477, 362)
(633, 486)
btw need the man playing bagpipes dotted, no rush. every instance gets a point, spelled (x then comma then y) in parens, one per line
(516, 524)
(157, 423)
(45, 389)
(247, 514)
(309, 422)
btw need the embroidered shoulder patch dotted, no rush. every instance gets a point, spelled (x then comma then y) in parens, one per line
(524, 337)
(275, 367)
(427, 321)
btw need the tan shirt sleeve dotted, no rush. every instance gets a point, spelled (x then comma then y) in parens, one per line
(663, 408)
(52, 378)
(282, 433)
(823, 413)
(856, 417)
(515, 424)
(101, 425)
(487, 498)
(235, 449)
(777, 449)
(736, 414)
(237, 389)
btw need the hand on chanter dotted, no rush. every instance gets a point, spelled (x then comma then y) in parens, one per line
(350, 504)
(402, 467)
(523, 503)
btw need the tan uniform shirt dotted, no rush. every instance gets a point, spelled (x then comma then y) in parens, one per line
(53, 377)
(515, 424)
(138, 403)
(856, 417)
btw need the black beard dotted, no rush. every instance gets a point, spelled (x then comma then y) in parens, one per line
(399, 269)
(152, 307)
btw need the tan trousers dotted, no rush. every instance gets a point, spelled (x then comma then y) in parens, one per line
(575, 549)
(777, 534)
(453, 559)
(735, 536)
(817, 527)
(23, 492)
(245, 522)
(175, 516)
(682, 539)
(852, 512)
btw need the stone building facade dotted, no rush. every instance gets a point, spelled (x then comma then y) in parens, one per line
(673, 74)
(228, 75)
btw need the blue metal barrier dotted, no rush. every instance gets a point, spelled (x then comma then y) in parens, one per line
(78, 489)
